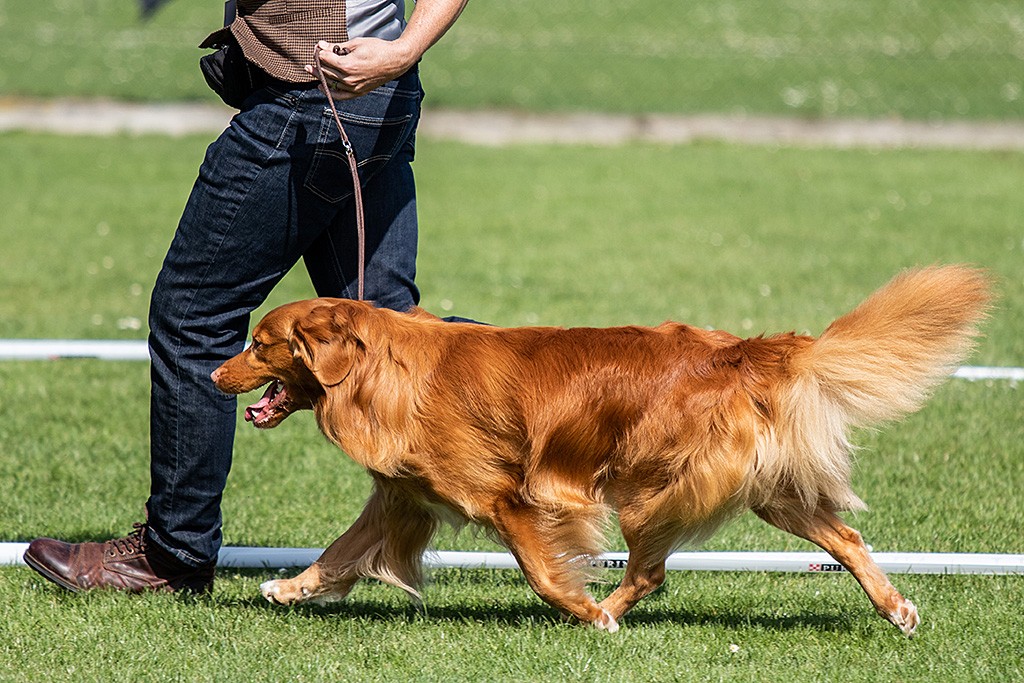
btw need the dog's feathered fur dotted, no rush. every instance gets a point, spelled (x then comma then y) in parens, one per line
(538, 434)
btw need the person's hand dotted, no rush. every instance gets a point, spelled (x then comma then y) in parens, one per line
(361, 65)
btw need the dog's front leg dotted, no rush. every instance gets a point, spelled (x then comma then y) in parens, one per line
(311, 585)
(331, 577)
(386, 542)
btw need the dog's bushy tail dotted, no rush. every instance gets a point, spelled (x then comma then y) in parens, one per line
(874, 364)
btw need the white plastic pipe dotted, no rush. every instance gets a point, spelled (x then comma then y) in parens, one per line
(979, 372)
(53, 349)
(814, 562)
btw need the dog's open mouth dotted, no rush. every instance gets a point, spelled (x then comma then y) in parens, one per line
(262, 414)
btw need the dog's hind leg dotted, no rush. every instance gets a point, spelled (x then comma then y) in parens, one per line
(652, 529)
(656, 520)
(552, 557)
(649, 544)
(822, 527)
(386, 542)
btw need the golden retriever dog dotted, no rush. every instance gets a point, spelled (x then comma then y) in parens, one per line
(539, 434)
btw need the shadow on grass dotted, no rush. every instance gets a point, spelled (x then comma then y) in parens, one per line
(504, 610)
(515, 613)
(508, 608)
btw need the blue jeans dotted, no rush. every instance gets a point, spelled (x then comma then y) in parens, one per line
(273, 188)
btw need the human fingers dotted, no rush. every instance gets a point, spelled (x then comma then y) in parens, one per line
(333, 55)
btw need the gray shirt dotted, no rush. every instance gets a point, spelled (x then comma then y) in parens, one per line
(375, 18)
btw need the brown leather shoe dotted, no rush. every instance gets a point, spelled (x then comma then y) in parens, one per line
(130, 564)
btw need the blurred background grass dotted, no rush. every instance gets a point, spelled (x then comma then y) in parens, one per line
(874, 58)
(748, 239)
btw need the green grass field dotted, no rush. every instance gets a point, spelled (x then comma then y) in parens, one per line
(744, 238)
(877, 58)
(748, 239)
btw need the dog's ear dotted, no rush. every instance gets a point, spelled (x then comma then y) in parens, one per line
(326, 343)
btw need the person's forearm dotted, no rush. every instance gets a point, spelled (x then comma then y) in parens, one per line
(430, 20)
(360, 65)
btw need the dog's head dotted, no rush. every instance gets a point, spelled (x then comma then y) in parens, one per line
(301, 349)
(331, 339)
(285, 353)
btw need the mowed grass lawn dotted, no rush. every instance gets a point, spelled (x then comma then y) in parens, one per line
(747, 239)
(877, 58)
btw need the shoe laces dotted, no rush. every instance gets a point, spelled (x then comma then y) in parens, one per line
(134, 542)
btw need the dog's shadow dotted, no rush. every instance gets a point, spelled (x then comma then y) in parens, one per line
(515, 612)
(511, 611)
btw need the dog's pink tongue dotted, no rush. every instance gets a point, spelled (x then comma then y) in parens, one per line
(256, 409)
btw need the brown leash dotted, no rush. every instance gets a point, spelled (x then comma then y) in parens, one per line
(352, 165)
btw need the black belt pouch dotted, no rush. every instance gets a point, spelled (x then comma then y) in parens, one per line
(229, 73)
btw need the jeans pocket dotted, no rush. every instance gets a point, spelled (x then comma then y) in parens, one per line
(375, 140)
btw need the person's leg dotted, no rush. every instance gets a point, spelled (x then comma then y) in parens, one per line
(234, 241)
(383, 139)
(389, 197)
(248, 222)
(264, 195)
(391, 241)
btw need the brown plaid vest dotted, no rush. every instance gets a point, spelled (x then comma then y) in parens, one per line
(279, 35)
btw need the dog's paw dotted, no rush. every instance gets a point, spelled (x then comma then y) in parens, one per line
(284, 592)
(606, 622)
(905, 618)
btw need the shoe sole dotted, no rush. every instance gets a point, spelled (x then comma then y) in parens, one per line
(48, 574)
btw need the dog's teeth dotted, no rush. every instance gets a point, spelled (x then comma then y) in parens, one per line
(279, 386)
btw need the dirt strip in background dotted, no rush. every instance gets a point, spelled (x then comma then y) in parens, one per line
(497, 128)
